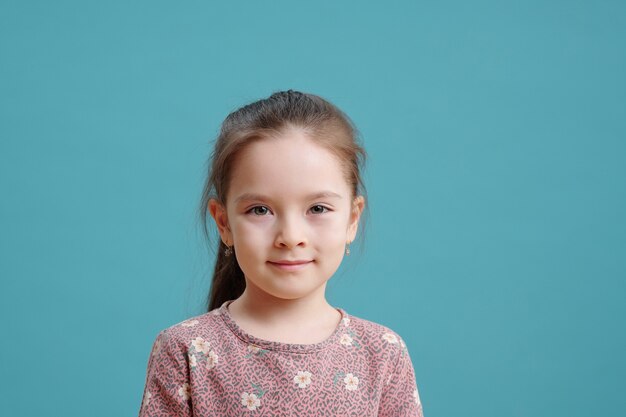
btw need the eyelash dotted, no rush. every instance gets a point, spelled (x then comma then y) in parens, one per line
(251, 210)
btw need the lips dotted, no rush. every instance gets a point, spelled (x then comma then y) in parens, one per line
(290, 265)
(286, 262)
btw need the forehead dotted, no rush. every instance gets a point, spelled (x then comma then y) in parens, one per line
(287, 166)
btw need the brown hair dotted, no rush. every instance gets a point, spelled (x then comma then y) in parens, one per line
(316, 117)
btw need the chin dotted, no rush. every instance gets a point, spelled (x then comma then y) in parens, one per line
(284, 293)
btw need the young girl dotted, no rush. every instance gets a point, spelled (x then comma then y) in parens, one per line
(286, 195)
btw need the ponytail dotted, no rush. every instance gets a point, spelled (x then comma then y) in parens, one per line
(228, 279)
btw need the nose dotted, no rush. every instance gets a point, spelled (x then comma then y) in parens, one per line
(290, 233)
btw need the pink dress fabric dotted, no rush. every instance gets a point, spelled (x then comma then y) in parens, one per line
(208, 366)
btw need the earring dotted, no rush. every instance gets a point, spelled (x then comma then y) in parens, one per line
(348, 249)
(228, 251)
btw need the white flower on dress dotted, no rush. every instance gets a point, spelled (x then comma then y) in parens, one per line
(185, 391)
(416, 397)
(253, 349)
(250, 400)
(211, 360)
(303, 379)
(189, 323)
(345, 340)
(351, 381)
(193, 361)
(146, 398)
(201, 345)
(346, 321)
(391, 338)
(157, 347)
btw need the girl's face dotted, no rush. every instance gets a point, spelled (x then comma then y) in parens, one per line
(289, 215)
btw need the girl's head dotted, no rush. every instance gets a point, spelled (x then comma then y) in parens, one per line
(284, 187)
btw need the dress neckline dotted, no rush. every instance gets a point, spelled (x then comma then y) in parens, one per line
(280, 346)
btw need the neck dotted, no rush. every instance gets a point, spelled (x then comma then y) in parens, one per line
(259, 306)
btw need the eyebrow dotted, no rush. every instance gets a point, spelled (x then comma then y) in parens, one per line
(252, 196)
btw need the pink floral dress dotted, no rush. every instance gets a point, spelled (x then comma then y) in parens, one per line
(208, 366)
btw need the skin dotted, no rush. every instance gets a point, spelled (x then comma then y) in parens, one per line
(288, 200)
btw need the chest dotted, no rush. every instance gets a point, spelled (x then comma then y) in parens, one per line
(247, 380)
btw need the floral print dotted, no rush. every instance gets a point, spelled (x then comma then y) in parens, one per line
(416, 397)
(205, 354)
(209, 363)
(352, 382)
(201, 345)
(350, 339)
(390, 338)
(146, 398)
(250, 401)
(303, 379)
(255, 350)
(184, 391)
(211, 360)
(193, 361)
(345, 339)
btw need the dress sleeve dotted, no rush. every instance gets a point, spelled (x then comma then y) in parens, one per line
(400, 397)
(167, 389)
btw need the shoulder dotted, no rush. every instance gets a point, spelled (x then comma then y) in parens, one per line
(203, 328)
(377, 337)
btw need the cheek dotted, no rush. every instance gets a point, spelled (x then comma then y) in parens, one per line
(331, 237)
(251, 236)
(329, 233)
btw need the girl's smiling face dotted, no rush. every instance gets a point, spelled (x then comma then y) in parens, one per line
(289, 214)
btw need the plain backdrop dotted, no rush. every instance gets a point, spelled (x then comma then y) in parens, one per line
(496, 240)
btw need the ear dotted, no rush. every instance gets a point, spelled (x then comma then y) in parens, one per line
(218, 212)
(358, 204)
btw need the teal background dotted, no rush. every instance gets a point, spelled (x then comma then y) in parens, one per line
(496, 240)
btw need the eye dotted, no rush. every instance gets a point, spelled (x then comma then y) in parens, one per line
(319, 209)
(259, 210)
